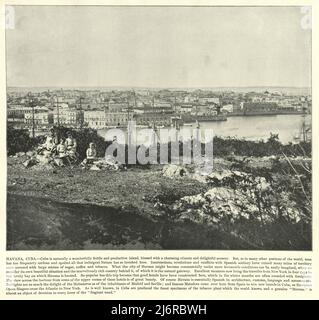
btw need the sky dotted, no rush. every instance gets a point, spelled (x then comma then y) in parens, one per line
(83, 46)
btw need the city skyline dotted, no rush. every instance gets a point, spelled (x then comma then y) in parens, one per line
(158, 47)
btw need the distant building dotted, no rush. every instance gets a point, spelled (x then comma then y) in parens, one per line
(260, 106)
(61, 105)
(209, 100)
(68, 117)
(94, 119)
(205, 109)
(39, 119)
(16, 113)
(118, 118)
(227, 108)
(257, 99)
(163, 119)
(188, 108)
(149, 109)
(189, 99)
(163, 105)
(98, 119)
(117, 107)
(69, 100)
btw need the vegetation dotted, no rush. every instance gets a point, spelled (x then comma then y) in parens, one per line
(272, 146)
(263, 200)
(19, 140)
(83, 138)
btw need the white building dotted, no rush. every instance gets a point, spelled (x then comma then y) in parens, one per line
(189, 99)
(39, 118)
(98, 119)
(68, 116)
(228, 108)
(95, 119)
(209, 100)
(186, 109)
(20, 111)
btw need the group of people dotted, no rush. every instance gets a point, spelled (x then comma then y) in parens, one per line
(60, 147)
(63, 151)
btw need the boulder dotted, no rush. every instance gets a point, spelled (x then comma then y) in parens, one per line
(20, 154)
(43, 159)
(262, 184)
(30, 153)
(195, 200)
(215, 204)
(58, 162)
(173, 170)
(47, 154)
(200, 178)
(30, 162)
(205, 167)
(220, 174)
(95, 168)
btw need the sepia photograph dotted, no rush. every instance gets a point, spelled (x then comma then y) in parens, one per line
(158, 127)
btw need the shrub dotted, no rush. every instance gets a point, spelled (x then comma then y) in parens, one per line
(83, 138)
(241, 147)
(19, 140)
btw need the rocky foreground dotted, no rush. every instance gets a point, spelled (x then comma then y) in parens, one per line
(232, 203)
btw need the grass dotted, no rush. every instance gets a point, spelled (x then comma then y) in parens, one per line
(143, 193)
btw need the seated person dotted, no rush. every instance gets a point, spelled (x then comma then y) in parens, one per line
(49, 145)
(61, 149)
(90, 154)
(71, 145)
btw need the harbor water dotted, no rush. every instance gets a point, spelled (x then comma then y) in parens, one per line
(288, 127)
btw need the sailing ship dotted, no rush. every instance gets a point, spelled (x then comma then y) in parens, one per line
(304, 133)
